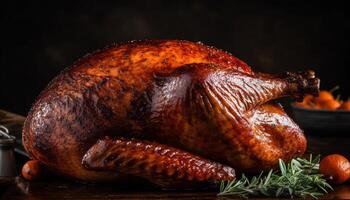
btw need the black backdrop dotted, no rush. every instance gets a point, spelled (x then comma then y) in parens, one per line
(40, 39)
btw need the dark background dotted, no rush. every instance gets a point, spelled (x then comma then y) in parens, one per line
(40, 39)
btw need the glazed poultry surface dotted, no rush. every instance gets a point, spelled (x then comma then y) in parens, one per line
(165, 110)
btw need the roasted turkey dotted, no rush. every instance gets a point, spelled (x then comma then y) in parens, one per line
(167, 111)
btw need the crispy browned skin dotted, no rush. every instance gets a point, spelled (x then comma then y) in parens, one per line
(158, 163)
(182, 95)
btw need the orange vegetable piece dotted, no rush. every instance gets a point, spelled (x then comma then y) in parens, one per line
(324, 95)
(32, 170)
(330, 104)
(303, 105)
(308, 98)
(307, 102)
(345, 105)
(336, 168)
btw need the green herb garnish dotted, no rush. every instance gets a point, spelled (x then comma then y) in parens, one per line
(299, 178)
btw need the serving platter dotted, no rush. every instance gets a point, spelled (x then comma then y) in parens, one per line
(325, 120)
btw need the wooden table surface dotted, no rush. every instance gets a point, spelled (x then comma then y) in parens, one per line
(57, 188)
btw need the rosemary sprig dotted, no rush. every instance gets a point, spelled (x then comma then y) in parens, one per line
(299, 178)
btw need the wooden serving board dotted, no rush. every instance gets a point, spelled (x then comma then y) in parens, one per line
(57, 188)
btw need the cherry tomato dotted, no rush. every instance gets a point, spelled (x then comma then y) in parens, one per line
(336, 168)
(32, 170)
